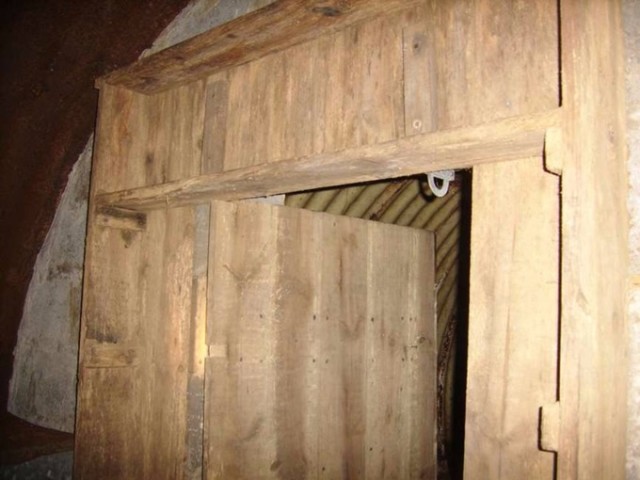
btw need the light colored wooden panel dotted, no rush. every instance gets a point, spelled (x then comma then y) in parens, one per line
(164, 327)
(240, 427)
(593, 384)
(509, 139)
(420, 74)
(137, 292)
(513, 320)
(338, 92)
(276, 27)
(135, 350)
(215, 123)
(174, 147)
(494, 59)
(321, 337)
(148, 140)
(400, 350)
(120, 140)
(106, 446)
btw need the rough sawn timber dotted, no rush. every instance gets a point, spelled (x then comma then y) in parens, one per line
(273, 28)
(322, 348)
(594, 341)
(510, 139)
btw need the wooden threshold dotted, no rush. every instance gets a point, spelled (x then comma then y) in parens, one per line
(509, 139)
(271, 29)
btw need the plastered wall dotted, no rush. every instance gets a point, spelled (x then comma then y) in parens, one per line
(632, 80)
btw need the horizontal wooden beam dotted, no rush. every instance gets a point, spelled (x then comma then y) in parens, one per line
(273, 28)
(510, 139)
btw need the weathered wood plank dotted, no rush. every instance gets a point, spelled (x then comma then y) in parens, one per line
(324, 96)
(493, 60)
(420, 72)
(322, 332)
(509, 139)
(135, 351)
(135, 336)
(240, 372)
(513, 319)
(215, 123)
(594, 342)
(273, 28)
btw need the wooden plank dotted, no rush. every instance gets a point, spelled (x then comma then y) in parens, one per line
(509, 139)
(240, 427)
(164, 327)
(198, 346)
(134, 344)
(398, 335)
(513, 319)
(215, 123)
(494, 60)
(302, 382)
(134, 348)
(271, 29)
(594, 344)
(420, 73)
(324, 96)
(146, 140)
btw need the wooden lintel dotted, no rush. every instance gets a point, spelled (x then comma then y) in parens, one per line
(510, 139)
(273, 28)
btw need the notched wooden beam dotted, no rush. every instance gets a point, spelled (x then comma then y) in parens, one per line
(110, 355)
(120, 218)
(271, 29)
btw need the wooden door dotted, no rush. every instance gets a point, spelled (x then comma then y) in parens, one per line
(321, 347)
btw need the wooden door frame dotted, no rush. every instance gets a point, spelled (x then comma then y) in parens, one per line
(583, 141)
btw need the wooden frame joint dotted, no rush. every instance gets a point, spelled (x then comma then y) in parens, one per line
(550, 427)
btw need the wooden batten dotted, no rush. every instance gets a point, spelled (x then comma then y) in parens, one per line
(271, 29)
(510, 139)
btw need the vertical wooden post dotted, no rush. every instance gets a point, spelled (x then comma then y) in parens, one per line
(593, 372)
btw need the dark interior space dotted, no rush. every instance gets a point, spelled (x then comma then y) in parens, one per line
(50, 54)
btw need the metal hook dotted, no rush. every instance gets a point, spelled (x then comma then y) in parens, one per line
(445, 177)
